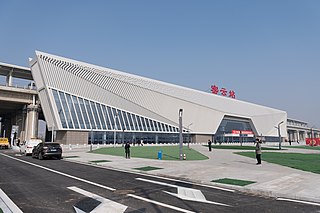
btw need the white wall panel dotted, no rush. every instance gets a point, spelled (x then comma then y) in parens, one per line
(154, 99)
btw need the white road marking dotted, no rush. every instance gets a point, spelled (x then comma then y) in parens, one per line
(154, 176)
(160, 204)
(61, 173)
(106, 204)
(183, 197)
(185, 193)
(157, 182)
(10, 206)
(298, 201)
(78, 210)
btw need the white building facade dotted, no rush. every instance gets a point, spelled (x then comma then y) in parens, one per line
(78, 98)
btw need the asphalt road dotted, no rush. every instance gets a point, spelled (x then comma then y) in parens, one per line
(61, 186)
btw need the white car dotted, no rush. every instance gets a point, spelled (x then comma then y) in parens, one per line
(27, 147)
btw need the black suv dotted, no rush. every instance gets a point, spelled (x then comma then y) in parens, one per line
(47, 150)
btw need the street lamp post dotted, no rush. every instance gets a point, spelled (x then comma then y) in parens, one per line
(279, 133)
(189, 134)
(311, 141)
(180, 132)
(114, 133)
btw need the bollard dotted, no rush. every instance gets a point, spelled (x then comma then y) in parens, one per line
(160, 155)
(184, 157)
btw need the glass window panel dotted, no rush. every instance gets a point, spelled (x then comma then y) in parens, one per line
(106, 116)
(151, 125)
(146, 120)
(59, 107)
(73, 112)
(155, 126)
(163, 127)
(134, 118)
(121, 119)
(101, 116)
(126, 120)
(167, 127)
(87, 104)
(139, 123)
(84, 113)
(116, 118)
(144, 124)
(112, 118)
(78, 111)
(66, 110)
(130, 121)
(159, 126)
(95, 114)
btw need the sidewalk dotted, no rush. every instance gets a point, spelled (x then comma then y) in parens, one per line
(271, 179)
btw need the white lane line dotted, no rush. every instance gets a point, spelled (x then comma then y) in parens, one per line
(298, 201)
(157, 182)
(9, 203)
(106, 204)
(153, 176)
(160, 204)
(61, 173)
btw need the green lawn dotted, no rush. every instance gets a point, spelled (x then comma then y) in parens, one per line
(238, 147)
(304, 147)
(233, 181)
(147, 168)
(151, 152)
(99, 161)
(305, 162)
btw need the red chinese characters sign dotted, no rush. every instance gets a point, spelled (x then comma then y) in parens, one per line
(223, 91)
(313, 141)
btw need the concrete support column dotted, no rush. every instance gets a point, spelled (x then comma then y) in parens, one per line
(297, 136)
(304, 135)
(290, 135)
(31, 127)
(9, 79)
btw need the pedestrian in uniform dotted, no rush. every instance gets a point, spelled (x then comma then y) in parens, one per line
(258, 151)
(209, 144)
(127, 149)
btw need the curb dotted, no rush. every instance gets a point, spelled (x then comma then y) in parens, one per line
(7, 205)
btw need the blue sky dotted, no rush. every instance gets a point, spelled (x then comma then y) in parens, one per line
(266, 51)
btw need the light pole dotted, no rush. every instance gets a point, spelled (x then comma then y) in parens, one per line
(279, 133)
(311, 141)
(52, 133)
(180, 132)
(114, 133)
(189, 134)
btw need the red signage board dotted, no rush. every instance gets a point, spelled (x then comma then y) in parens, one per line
(246, 132)
(222, 91)
(313, 141)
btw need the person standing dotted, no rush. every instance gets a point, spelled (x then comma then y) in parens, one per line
(209, 144)
(258, 151)
(127, 149)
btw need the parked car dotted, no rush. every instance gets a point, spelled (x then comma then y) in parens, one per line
(4, 143)
(47, 150)
(27, 147)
